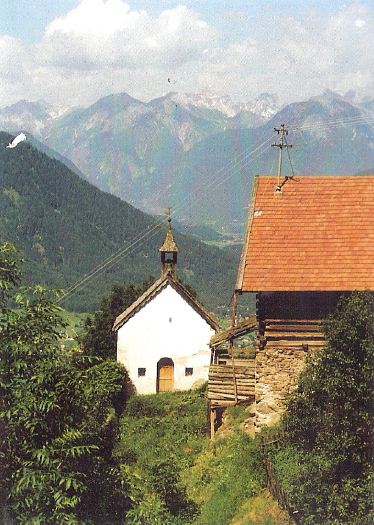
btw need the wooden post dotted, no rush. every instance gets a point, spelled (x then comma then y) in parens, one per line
(231, 351)
(212, 420)
(234, 307)
(207, 419)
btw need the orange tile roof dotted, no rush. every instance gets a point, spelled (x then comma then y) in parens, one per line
(317, 235)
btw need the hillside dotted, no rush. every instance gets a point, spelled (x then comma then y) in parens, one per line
(180, 477)
(65, 227)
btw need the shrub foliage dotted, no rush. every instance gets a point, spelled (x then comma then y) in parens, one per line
(326, 463)
(58, 415)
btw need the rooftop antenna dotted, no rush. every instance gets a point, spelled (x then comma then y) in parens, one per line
(282, 133)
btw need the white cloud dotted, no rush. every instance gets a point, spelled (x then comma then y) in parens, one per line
(102, 47)
(298, 59)
(99, 34)
(13, 56)
(15, 64)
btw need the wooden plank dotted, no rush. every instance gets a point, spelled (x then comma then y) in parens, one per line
(230, 376)
(292, 336)
(223, 403)
(238, 369)
(230, 373)
(224, 394)
(295, 321)
(231, 386)
(230, 394)
(246, 362)
(228, 381)
(218, 395)
(293, 328)
(293, 344)
(242, 391)
(230, 369)
(212, 420)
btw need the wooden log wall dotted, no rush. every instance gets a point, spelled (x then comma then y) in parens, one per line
(230, 384)
(293, 333)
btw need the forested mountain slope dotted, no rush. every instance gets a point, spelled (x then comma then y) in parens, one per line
(65, 227)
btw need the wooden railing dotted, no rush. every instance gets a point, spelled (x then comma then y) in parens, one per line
(231, 383)
(267, 444)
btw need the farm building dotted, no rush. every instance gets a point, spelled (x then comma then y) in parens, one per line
(163, 337)
(308, 241)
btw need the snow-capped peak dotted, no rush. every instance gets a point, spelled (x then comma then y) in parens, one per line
(221, 103)
(265, 106)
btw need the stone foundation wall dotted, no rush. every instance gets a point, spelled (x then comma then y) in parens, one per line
(277, 372)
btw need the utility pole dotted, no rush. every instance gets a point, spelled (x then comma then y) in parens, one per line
(282, 132)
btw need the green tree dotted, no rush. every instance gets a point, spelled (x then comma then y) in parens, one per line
(58, 415)
(328, 426)
(99, 339)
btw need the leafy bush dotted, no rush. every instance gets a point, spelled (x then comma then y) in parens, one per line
(99, 339)
(326, 465)
(181, 434)
(58, 415)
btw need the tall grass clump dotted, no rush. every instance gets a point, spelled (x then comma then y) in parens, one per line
(160, 437)
(233, 472)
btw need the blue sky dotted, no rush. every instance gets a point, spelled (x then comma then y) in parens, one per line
(27, 19)
(294, 48)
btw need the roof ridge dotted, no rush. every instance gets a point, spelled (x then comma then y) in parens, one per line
(124, 316)
(243, 257)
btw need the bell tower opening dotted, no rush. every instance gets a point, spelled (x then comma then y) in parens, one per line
(169, 252)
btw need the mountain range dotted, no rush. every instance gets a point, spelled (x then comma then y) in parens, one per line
(197, 153)
(65, 227)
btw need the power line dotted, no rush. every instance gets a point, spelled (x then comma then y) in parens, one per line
(334, 123)
(289, 156)
(150, 232)
(282, 132)
(198, 192)
(127, 250)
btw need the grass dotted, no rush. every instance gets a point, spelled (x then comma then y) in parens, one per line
(75, 323)
(190, 479)
(261, 510)
(228, 473)
(169, 425)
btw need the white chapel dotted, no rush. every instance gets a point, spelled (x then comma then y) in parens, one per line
(163, 337)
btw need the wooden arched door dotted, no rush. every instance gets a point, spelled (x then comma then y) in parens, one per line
(165, 375)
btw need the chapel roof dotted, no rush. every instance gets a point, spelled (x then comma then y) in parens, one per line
(154, 290)
(317, 234)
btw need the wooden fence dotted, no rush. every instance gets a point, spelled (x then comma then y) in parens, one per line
(272, 482)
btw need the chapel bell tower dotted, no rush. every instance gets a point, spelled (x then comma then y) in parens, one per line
(169, 253)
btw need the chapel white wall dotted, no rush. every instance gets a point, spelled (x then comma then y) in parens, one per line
(167, 326)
